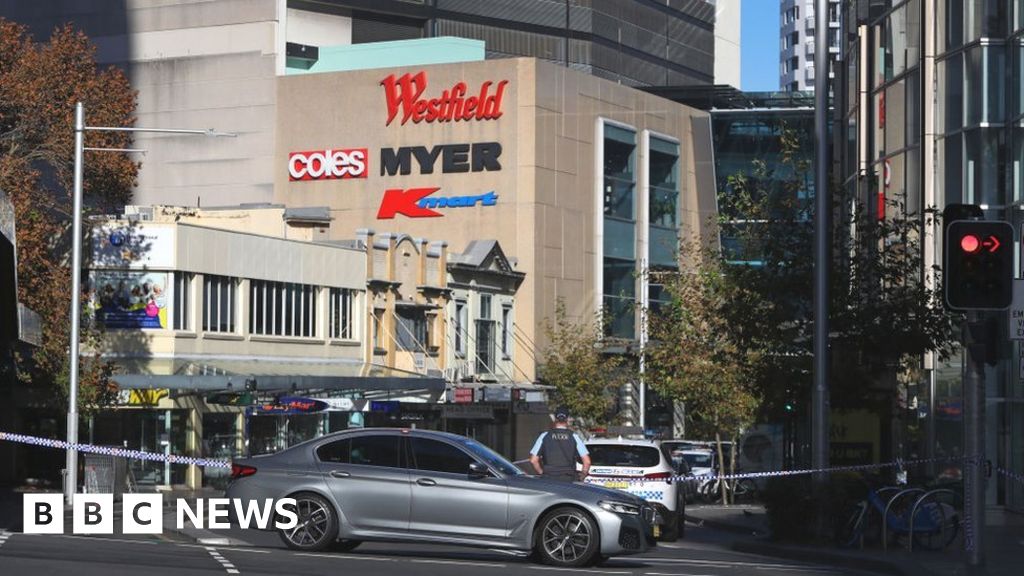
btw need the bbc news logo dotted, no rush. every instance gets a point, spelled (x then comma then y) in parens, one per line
(330, 164)
(144, 513)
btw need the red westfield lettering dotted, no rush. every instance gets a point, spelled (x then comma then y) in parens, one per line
(398, 201)
(404, 92)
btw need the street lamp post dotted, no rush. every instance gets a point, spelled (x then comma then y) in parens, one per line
(71, 479)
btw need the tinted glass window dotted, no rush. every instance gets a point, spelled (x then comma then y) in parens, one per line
(439, 457)
(491, 457)
(613, 455)
(373, 450)
(336, 452)
(698, 460)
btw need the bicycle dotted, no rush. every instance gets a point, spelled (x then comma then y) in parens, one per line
(926, 522)
(740, 490)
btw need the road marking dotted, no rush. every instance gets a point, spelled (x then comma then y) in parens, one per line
(461, 563)
(225, 563)
(344, 556)
(225, 548)
(586, 570)
(95, 538)
(3, 537)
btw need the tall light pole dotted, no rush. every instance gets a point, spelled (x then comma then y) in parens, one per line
(71, 480)
(820, 392)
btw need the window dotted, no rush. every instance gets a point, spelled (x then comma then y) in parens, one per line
(485, 306)
(485, 343)
(412, 330)
(616, 455)
(219, 303)
(182, 295)
(506, 331)
(367, 450)
(436, 456)
(619, 225)
(461, 324)
(335, 452)
(664, 202)
(340, 314)
(282, 309)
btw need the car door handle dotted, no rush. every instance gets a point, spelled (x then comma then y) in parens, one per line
(339, 474)
(426, 482)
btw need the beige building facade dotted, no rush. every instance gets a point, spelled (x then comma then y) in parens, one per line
(582, 181)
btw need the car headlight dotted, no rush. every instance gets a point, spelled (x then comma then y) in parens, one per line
(619, 507)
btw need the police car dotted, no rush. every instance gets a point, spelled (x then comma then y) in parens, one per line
(642, 469)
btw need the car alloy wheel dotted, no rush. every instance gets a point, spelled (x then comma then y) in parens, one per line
(317, 526)
(567, 537)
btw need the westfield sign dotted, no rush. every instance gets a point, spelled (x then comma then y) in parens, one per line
(404, 97)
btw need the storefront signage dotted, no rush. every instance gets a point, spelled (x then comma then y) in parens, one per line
(330, 164)
(290, 405)
(467, 412)
(417, 202)
(129, 300)
(135, 245)
(462, 395)
(339, 404)
(405, 94)
(142, 397)
(455, 158)
(386, 406)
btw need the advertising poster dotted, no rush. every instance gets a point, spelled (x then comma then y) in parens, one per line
(130, 300)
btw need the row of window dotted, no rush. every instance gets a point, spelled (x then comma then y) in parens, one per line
(274, 308)
(620, 219)
(423, 454)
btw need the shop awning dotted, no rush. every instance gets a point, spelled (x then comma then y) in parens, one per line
(232, 374)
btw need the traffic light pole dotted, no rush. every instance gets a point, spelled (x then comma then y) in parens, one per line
(974, 438)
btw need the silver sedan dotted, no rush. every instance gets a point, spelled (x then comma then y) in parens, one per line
(423, 486)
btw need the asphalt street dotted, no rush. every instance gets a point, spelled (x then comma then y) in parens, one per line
(700, 554)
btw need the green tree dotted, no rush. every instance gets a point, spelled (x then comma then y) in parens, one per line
(39, 86)
(884, 316)
(586, 379)
(694, 356)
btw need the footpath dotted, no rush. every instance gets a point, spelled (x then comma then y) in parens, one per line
(1003, 541)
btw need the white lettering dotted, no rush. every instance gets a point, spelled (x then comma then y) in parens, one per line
(219, 508)
(285, 507)
(196, 517)
(252, 511)
(327, 164)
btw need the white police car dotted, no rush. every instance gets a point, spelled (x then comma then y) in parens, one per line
(640, 468)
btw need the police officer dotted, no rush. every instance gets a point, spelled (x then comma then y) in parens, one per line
(557, 449)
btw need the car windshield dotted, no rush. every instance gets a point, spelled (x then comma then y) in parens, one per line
(492, 458)
(698, 459)
(616, 455)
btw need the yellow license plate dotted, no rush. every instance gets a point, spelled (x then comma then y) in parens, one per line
(657, 531)
(617, 485)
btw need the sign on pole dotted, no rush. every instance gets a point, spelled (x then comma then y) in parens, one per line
(1016, 315)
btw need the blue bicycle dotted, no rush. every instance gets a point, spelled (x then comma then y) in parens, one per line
(925, 519)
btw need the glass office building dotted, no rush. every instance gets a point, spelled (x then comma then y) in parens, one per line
(929, 112)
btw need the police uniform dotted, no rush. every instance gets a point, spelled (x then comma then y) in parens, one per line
(558, 448)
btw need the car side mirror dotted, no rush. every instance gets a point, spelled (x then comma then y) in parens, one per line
(478, 470)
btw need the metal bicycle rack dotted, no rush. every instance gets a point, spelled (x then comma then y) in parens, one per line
(888, 506)
(914, 508)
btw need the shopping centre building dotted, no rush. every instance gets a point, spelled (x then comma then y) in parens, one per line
(427, 221)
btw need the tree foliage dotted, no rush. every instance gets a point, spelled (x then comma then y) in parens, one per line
(585, 378)
(883, 315)
(694, 356)
(39, 86)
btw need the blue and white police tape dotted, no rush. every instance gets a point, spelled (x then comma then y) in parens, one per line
(109, 451)
(899, 464)
(1019, 478)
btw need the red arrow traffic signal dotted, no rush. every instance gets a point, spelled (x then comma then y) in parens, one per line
(992, 243)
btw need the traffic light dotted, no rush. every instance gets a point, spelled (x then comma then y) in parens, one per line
(979, 265)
